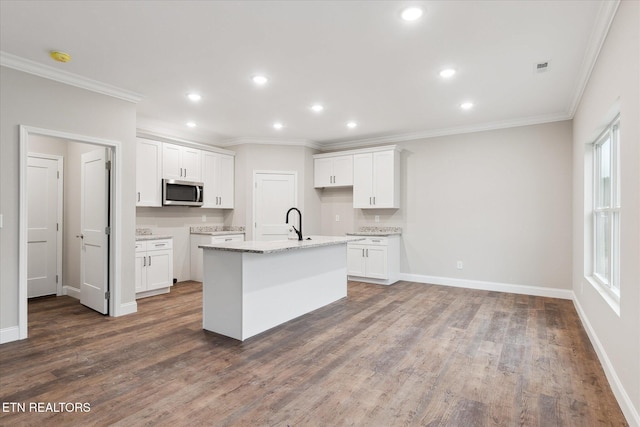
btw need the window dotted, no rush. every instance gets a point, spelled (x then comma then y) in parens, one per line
(606, 209)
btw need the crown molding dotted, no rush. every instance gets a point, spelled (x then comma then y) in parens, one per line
(160, 137)
(271, 141)
(604, 19)
(392, 139)
(51, 73)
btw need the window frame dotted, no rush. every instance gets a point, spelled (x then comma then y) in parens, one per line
(610, 285)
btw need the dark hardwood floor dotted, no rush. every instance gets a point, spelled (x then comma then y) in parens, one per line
(404, 355)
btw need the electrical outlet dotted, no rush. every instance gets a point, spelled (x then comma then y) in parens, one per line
(377, 218)
(459, 265)
(204, 218)
(337, 218)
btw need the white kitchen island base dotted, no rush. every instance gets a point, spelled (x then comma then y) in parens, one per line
(248, 291)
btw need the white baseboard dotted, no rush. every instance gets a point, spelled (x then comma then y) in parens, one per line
(9, 334)
(71, 291)
(629, 411)
(490, 286)
(127, 308)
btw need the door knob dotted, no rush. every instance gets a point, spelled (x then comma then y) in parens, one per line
(81, 236)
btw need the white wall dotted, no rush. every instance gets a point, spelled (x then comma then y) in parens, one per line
(30, 100)
(254, 157)
(499, 201)
(614, 85)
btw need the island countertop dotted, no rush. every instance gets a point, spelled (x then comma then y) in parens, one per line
(267, 247)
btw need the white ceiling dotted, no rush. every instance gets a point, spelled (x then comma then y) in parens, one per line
(357, 58)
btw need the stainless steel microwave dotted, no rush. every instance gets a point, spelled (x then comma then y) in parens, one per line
(181, 193)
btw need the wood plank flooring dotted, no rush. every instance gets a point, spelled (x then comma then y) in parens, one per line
(404, 355)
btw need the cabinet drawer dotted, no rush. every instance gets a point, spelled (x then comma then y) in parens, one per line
(141, 246)
(157, 245)
(228, 238)
(376, 241)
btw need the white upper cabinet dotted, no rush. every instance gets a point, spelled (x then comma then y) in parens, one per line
(334, 171)
(376, 179)
(148, 172)
(181, 163)
(218, 178)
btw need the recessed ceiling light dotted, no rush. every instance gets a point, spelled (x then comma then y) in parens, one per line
(411, 13)
(317, 108)
(259, 80)
(466, 105)
(352, 125)
(447, 73)
(191, 124)
(195, 97)
(278, 125)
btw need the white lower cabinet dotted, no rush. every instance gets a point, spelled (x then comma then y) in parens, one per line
(206, 239)
(154, 267)
(374, 260)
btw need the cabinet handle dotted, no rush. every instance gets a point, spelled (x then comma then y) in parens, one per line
(228, 240)
(370, 200)
(374, 200)
(180, 172)
(138, 196)
(144, 261)
(149, 260)
(367, 256)
(363, 253)
(185, 172)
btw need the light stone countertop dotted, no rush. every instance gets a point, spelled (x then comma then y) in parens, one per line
(377, 231)
(262, 247)
(217, 233)
(144, 237)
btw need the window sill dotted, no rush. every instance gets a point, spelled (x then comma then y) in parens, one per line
(610, 298)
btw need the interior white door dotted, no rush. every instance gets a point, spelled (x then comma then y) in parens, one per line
(274, 194)
(94, 219)
(43, 211)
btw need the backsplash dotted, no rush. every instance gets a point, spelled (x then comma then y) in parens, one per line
(372, 229)
(214, 228)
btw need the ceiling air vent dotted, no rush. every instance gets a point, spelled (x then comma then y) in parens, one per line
(541, 67)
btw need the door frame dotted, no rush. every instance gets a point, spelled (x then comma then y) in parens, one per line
(115, 248)
(59, 214)
(255, 187)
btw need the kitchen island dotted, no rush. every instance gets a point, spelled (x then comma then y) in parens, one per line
(252, 286)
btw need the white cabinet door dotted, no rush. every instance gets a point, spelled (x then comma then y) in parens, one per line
(355, 261)
(209, 172)
(376, 262)
(226, 181)
(322, 172)
(154, 266)
(218, 176)
(148, 172)
(383, 179)
(376, 180)
(181, 163)
(191, 164)
(159, 269)
(343, 171)
(141, 272)
(172, 161)
(363, 180)
(333, 171)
